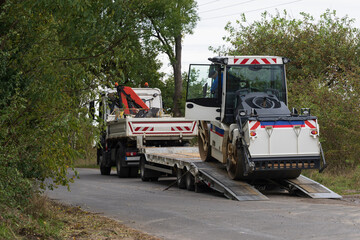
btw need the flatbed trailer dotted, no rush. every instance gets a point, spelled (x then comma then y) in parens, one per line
(192, 173)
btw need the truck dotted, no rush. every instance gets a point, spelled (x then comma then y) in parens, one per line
(248, 139)
(133, 115)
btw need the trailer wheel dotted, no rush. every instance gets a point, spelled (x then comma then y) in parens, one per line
(234, 160)
(143, 170)
(204, 141)
(122, 172)
(190, 181)
(180, 178)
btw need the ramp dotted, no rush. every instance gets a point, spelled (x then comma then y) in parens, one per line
(216, 177)
(310, 188)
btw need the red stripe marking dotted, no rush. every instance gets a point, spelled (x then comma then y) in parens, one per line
(235, 60)
(244, 61)
(256, 125)
(265, 61)
(255, 62)
(187, 128)
(145, 128)
(179, 128)
(137, 129)
(131, 128)
(193, 126)
(274, 59)
(309, 124)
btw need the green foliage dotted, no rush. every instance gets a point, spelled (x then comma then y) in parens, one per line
(165, 23)
(323, 74)
(53, 57)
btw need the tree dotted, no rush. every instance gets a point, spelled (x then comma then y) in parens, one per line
(323, 74)
(53, 57)
(167, 22)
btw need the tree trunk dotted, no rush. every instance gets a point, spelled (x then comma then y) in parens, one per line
(177, 77)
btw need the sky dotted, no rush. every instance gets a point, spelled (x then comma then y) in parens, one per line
(215, 14)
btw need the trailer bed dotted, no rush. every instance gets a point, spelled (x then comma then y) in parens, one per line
(215, 176)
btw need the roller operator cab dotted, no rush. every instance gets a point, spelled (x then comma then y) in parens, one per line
(244, 122)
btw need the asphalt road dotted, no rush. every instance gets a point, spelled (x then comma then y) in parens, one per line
(180, 214)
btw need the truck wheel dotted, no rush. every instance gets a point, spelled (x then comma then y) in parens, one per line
(234, 160)
(104, 170)
(122, 172)
(134, 172)
(204, 141)
(143, 170)
(180, 178)
(189, 181)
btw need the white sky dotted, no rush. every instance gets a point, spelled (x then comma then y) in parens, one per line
(214, 15)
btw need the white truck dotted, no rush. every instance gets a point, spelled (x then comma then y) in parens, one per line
(134, 116)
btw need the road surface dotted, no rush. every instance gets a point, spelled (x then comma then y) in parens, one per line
(179, 214)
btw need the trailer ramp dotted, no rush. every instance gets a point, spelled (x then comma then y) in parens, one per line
(308, 187)
(215, 176)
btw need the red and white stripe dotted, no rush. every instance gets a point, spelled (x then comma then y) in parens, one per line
(180, 128)
(165, 127)
(143, 129)
(311, 124)
(253, 125)
(255, 60)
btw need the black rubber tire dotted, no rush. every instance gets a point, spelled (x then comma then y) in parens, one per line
(104, 170)
(180, 179)
(204, 141)
(122, 172)
(143, 170)
(189, 181)
(134, 172)
(234, 162)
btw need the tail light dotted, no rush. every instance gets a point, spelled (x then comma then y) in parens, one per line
(252, 134)
(131, 154)
(314, 132)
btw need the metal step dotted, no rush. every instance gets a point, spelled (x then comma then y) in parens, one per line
(216, 177)
(310, 188)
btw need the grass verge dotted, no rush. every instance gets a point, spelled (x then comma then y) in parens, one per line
(346, 182)
(47, 219)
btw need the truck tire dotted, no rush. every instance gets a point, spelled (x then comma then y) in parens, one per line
(234, 162)
(104, 170)
(143, 170)
(189, 181)
(204, 141)
(121, 171)
(180, 178)
(147, 174)
(134, 172)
